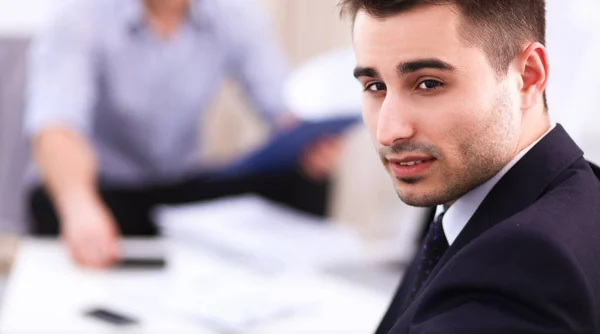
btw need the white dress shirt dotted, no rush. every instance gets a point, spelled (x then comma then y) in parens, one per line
(459, 213)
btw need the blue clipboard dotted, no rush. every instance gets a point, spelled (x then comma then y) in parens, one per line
(283, 150)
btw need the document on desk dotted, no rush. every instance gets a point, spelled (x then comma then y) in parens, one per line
(207, 290)
(242, 261)
(252, 230)
(197, 292)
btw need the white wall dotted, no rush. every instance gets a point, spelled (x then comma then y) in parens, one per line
(23, 17)
(574, 49)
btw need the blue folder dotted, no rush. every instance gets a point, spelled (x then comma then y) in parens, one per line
(283, 150)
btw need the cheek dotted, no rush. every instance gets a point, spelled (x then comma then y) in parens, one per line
(444, 121)
(464, 113)
(478, 131)
(454, 128)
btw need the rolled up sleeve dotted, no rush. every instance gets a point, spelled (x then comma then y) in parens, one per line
(61, 88)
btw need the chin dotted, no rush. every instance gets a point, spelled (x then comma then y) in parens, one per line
(414, 193)
(416, 201)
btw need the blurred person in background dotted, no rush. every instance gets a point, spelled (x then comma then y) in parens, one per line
(116, 89)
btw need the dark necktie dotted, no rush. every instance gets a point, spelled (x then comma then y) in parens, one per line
(434, 246)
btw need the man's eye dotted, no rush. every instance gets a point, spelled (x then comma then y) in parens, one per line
(375, 87)
(427, 85)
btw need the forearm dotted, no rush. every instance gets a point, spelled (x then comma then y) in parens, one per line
(67, 166)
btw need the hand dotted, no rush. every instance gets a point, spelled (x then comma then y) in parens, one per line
(286, 121)
(320, 159)
(90, 233)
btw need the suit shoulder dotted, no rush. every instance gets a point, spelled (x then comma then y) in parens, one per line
(512, 269)
(569, 210)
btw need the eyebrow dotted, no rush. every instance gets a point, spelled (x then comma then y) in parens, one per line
(421, 64)
(407, 68)
(365, 72)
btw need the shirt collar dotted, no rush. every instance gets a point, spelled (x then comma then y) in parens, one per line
(458, 214)
(133, 13)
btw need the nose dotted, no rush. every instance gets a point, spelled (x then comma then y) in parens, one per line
(394, 122)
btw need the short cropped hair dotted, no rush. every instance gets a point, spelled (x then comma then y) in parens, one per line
(499, 27)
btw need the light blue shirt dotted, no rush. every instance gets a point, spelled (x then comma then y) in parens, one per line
(101, 70)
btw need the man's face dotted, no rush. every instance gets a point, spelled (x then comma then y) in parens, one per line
(442, 120)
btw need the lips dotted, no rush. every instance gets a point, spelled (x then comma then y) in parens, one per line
(411, 167)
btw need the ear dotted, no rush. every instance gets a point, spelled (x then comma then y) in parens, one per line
(534, 75)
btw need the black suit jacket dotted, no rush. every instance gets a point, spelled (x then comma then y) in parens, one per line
(528, 261)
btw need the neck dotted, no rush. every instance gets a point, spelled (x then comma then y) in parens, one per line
(533, 125)
(166, 16)
(167, 9)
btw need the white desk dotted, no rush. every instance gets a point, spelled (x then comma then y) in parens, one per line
(46, 293)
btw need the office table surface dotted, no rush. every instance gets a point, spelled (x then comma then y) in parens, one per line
(47, 293)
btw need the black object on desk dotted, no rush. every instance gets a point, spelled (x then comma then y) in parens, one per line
(141, 263)
(111, 317)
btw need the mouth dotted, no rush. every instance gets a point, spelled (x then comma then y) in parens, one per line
(412, 163)
(410, 167)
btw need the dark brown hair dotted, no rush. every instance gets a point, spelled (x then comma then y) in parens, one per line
(499, 27)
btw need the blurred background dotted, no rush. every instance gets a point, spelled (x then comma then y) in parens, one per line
(304, 29)
(361, 197)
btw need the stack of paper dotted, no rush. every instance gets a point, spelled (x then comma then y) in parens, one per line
(210, 292)
(235, 263)
(251, 230)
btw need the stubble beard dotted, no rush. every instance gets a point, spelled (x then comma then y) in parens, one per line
(483, 154)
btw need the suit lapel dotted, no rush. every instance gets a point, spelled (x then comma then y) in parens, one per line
(400, 301)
